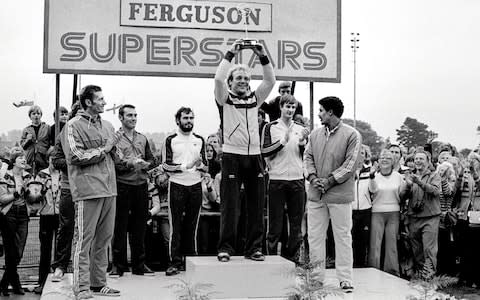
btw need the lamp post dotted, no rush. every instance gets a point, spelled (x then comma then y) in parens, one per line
(354, 47)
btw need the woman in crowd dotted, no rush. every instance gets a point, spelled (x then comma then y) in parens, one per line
(209, 225)
(48, 212)
(448, 219)
(14, 218)
(214, 140)
(35, 140)
(388, 189)
(213, 163)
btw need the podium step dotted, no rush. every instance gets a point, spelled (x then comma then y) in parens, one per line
(242, 278)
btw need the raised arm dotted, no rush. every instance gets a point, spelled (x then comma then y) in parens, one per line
(221, 88)
(268, 81)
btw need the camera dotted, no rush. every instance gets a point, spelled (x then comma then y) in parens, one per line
(417, 207)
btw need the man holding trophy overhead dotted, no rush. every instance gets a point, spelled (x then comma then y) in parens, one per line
(242, 161)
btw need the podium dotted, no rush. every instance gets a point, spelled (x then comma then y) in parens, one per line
(242, 278)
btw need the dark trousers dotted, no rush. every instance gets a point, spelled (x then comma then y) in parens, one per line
(66, 217)
(14, 227)
(289, 193)
(446, 258)
(47, 232)
(184, 204)
(131, 218)
(208, 235)
(237, 170)
(361, 220)
(472, 258)
(462, 244)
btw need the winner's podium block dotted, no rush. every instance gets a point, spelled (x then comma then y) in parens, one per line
(241, 277)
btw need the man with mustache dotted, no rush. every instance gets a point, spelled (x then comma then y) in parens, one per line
(330, 161)
(184, 158)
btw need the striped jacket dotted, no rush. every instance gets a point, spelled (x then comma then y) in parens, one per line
(333, 153)
(284, 161)
(91, 172)
(239, 124)
(178, 151)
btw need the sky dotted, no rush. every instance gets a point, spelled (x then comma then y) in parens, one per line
(416, 59)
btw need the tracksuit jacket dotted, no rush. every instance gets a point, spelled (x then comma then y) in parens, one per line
(91, 172)
(333, 153)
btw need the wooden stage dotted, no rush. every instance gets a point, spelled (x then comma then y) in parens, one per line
(369, 283)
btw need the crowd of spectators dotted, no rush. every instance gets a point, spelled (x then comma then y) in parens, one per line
(414, 212)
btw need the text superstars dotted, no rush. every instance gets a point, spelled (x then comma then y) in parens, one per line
(176, 50)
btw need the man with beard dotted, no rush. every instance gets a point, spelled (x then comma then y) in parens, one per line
(242, 162)
(183, 157)
(330, 161)
(132, 200)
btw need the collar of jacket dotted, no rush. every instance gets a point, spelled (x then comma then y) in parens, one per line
(89, 117)
(40, 125)
(244, 97)
(330, 132)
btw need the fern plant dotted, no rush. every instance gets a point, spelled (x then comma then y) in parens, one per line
(186, 290)
(309, 286)
(427, 284)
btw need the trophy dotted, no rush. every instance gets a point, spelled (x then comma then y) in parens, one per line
(245, 11)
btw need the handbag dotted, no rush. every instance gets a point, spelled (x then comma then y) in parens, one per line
(474, 217)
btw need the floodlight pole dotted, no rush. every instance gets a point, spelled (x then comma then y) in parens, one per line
(354, 47)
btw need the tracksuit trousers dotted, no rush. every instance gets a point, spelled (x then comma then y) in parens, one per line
(131, 218)
(184, 203)
(319, 216)
(292, 194)
(94, 222)
(237, 170)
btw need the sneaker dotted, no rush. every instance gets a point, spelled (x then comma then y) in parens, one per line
(223, 257)
(346, 286)
(105, 291)
(57, 275)
(84, 295)
(115, 272)
(143, 271)
(257, 256)
(172, 270)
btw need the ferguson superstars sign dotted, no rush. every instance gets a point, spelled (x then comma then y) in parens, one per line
(188, 38)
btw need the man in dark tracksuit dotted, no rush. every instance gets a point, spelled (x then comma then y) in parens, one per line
(132, 199)
(183, 157)
(242, 161)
